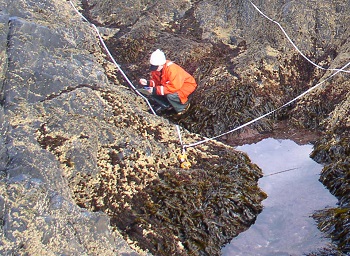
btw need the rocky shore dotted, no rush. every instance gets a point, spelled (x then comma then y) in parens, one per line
(86, 169)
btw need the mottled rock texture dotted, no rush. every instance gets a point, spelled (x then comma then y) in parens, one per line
(246, 67)
(47, 53)
(87, 170)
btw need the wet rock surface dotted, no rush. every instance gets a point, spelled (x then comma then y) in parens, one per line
(246, 67)
(85, 169)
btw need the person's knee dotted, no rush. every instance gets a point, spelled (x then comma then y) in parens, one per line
(173, 97)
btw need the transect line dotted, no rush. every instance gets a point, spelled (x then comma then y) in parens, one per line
(120, 69)
(275, 173)
(237, 128)
(179, 134)
(291, 41)
(112, 58)
(267, 114)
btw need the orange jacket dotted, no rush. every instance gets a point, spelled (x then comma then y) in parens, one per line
(173, 78)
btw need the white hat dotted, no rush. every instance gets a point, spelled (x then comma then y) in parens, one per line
(157, 58)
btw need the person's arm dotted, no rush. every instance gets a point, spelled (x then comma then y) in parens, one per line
(154, 80)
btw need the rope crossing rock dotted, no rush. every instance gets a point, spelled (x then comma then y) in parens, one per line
(185, 164)
(267, 114)
(112, 58)
(291, 41)
(343, 69)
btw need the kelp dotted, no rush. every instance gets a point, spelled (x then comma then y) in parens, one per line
(178, 212)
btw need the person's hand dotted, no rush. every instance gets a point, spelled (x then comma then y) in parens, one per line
(149, 89)
(143, 81)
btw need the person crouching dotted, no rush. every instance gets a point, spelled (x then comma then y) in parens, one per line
(169, 85)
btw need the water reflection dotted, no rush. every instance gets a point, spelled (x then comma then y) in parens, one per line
(291, 181)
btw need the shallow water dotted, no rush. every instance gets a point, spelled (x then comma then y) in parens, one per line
(294, 192)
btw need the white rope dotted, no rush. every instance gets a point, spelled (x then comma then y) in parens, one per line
(239, 127)
(112, 58)
(179, 133)
(180, 138)
(267, 114)
(290, 40)
(120, 70)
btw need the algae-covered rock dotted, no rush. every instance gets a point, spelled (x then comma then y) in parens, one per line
(333, 150)
(246, 66)
(243, 62)
(85, 169)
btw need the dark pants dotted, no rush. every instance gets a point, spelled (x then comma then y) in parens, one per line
(170, 100)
